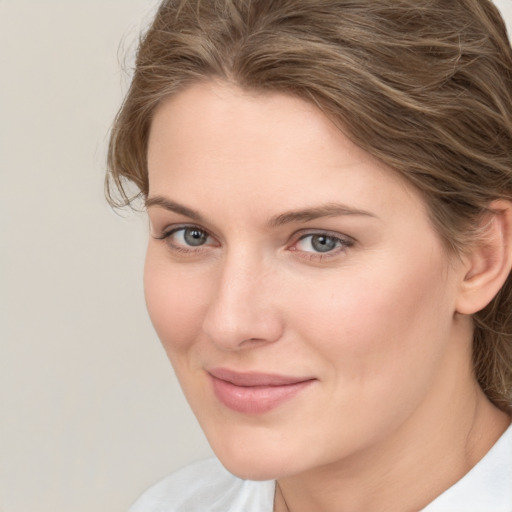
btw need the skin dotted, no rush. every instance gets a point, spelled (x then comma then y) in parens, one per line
(375, 321)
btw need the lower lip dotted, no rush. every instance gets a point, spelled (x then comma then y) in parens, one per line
(255, 399)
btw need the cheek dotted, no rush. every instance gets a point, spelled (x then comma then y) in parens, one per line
(379, 342)
(380, 322)
(175, 303)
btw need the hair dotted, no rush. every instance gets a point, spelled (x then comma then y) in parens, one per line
(425, 86)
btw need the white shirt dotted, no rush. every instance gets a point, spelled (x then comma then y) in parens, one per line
(207, 487)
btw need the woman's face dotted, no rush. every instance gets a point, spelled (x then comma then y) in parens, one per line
(297, 285)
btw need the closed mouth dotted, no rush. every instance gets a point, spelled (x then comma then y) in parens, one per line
(253, 392)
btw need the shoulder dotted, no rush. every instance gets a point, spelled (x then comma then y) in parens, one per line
(206, 486)
(486, 487)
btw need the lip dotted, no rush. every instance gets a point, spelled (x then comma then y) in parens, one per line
(253, 392)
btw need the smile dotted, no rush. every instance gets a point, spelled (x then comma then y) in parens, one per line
(255, 393)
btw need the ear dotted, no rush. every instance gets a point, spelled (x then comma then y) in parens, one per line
(489, 261)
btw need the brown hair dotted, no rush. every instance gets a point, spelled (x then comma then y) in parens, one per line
(423, 85)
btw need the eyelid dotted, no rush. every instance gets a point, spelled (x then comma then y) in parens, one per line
(303, 233)
(345, 243)
(169, 230)
(183, 248)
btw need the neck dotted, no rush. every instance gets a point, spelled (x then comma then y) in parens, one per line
(440, 442)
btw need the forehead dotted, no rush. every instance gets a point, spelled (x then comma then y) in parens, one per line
(217, 139)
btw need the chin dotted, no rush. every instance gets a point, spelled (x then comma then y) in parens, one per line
(253, 468)
(250, 460)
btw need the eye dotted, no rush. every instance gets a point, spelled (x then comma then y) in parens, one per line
(191, 236)
(317, 243)
(322, 243)
(187, 238)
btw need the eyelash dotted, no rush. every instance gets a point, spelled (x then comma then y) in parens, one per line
(167, 234)
(342, 243)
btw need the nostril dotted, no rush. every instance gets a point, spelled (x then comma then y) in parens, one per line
(242, 328)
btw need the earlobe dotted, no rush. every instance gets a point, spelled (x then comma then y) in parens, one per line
(489, 261)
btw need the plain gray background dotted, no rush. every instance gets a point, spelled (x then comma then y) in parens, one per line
(90, 412)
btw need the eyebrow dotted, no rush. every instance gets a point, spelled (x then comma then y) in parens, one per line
(326, 210)
(172, 206)
(300, 215)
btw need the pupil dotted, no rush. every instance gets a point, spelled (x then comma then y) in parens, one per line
(323, 243)
(195, 237)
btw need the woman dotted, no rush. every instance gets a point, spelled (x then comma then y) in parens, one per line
(329, 188)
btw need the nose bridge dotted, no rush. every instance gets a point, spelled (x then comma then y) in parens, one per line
(241, 308)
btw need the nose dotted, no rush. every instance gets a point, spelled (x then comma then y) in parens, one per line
(243, 310)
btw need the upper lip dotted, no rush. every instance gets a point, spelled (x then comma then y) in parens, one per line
(248, 379)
